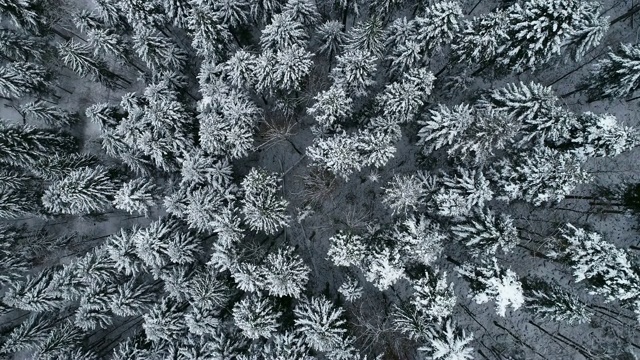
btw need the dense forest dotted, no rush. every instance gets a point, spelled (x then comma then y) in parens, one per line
(319, 179)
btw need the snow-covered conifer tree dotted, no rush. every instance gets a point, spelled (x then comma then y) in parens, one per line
(15, 204)
(263, 209)
(347, 249)
(599, 135)
(444, 126)
(418, 239)
(406, 193)
(480, 38)
(485, 233)
(448, 342)
(25, 15)
(104, 114)
(177, 11)
(550, 301)
(351, 289)
(616, 76)
(302, 11)
(288, 345)
(21, 78)
(53, 116)
(165, 321)
(210, 37)
(135, 196)
(284, 273)
(331, 37)
(22, 47)
(331, 106)
(142, 13)
(201, 169)
(433, 297)
(354, 72)
(282, 33)
(58, 166)
(121, 248)
(543, 175)
(608, 269)
(256, 316)
(79, 58)
(157, 51)
(106, 42)
(81, 192)
(366, 37)
(401, 101)
(320, 323)
(383, 266)
(490, 281)
(28, 334)
(437, 25)
(589, 29)
(239, 69)
(23, 146)
(34, 293)
(292, 65)
(462, 193)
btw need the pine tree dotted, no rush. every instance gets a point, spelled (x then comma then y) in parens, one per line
(262, 208)
(15, 204)
(21, 78)
(487, 233)
(351, 289)
(601, 135)
(608, 269)
(331, 107)
(86, 21)
(80, 59)
(480, 38)
(232, 13)
(142, 13)
(490, 281)
(302, 11)
(81, 192)
(61, 339)
(136, 196)
(383, 266)
(541, 176)
(550, 301)
(177, 11)
(28, 334)
(158, 52)
(201, 169)
(616, 76)
(288, 345)
(23, 146)
(419, 240)
(354, 72)
(589, 29)
(282, 33)
(448, 342)
(284, 273)
(34, 293)
(22, 47)
(210, 37)
(131, 299)
(105, 115)
(432, 297)
(401, 101)
(405, 193)
(366, 37)
(59, 166)
(438, 26)
(42, 111)
(331, 37)
(108, 11)
(106, 42)
(121, 248)
(347, 249)
(462, 193)
(165, 321)
(320, 323)
(444, 127)
(24, 14)
(292, 65)
(256, 317)
(239, 69)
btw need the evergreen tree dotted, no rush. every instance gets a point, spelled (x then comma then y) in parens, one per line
(42, 111)
(480, 38)
(609, 270)
(617, 75)
(302, 11)
(105, 115)
(165, 321)
(24, 14)
(201, 169)
(444, 127)
(21, 78)
(448, 342)
(106, 42)
(121, 248)
(136, 196)
(158, 52)
(34, 293)
(536, 32)
(28, 334)
(331, 106)
(550, 301)
(419, 240)
(58, 166)
(288, 345)
(354, 72)
(598, 135)
(331, 37)
(488, 280)
(282, 33)
(15, 204)
(64, 337)
(383, 266)
(544, 175)
(210, 37)
(347, 249)
(177, 11)
(131, 299)
(401, 101)
(292, 65)
(366, 37)
(589, 29)
(320, 323)
(262, 208)
(142, 13)
(350, 289)
(80, 59)
(487, 233)
(22, 47)
(437, 26)
(462, 193)
(232, 13)
(239, 69)
(23, 146)
(256, 317)
(284, 273)
(432, 297)
(405, 193)
(81, 192)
